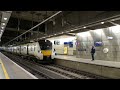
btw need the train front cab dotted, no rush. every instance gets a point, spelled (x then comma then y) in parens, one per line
(46, 50)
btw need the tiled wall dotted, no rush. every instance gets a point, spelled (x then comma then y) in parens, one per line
(86, 40)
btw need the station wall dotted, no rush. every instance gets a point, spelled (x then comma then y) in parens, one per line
(101, 38)
(59, 47)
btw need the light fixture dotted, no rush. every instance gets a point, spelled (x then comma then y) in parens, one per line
(62, 32)
(2, 27)
(5, 18)
(113, 20)
(3, 23)
(102, 22)
(1, 30)
(54, 34)
(84, 27)
(71, 30)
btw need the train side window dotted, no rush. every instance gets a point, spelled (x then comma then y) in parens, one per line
(34, 48)
(31, 48)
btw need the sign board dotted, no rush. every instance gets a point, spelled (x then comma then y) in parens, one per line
(109, 38)
(105, 50)
(98, 43)
(56, 42)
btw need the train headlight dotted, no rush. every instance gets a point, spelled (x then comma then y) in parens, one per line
(39, 52)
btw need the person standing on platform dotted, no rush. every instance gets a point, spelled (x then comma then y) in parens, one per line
(92, 52)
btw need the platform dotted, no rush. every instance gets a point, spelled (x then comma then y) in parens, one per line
(11, 70)
(109, 69)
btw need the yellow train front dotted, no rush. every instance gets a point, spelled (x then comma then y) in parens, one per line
(47, 51)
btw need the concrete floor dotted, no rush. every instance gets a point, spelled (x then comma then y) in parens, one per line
(110, 69)
(14, 70)
(96, 62)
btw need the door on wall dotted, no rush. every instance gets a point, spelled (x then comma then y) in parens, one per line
(65, 50)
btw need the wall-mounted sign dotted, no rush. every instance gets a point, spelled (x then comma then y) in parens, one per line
(70, 44)
(66, 43)
(109, 38)
(105, 50)
(56, 42)
(98, 43)
(77, 43)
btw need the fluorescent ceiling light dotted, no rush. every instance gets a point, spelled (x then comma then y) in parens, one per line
(113, 20)
(102, 22)
(3, 23)
(9, 11)
(84, 27)
(71, 30)
(2, 27)
(62, 32)
(5, 18)
(1, 30)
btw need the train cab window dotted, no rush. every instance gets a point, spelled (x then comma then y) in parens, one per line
(39, 51)
(45, 45)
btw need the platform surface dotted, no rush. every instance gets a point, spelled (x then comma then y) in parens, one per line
(13, 70)
(97, 62)
(2, 74)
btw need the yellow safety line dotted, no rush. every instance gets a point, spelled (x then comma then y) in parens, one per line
(4, 70)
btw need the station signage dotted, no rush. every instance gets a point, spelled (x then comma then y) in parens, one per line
(56, 42)
(98, 43)
(109, 38)
(69, 43)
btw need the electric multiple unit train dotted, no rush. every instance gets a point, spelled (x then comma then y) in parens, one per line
(42, 50)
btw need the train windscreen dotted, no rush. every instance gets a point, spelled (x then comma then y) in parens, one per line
(45, 44)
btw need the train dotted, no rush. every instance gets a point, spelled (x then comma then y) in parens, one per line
(42, 50)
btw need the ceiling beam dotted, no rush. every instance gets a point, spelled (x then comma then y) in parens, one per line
(22, 31)
(113, 23)
(36, 26)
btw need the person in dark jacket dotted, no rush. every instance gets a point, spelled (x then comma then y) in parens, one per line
(93, 52)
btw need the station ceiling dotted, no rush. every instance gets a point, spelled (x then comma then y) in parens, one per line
(21, 21)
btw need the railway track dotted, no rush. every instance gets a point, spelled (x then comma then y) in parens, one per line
(51, 71)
